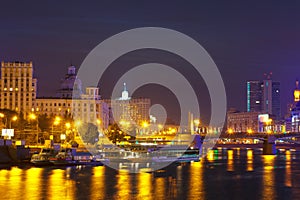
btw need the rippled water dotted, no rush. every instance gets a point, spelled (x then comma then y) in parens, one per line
(223, 174)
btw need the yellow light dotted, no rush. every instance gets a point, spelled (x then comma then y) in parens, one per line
(1, 115)
(145, 124)
(269, 131)
(197, 122)
(68, 125)
(32, 116)
(56, 122)
(98, 121)
(249, 131)
(57, 118)
(14, 118)
(230, 130)
(296, 95)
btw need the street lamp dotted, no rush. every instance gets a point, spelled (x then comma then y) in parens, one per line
(34, 117)
(14, 118)
(56, 122)
(230, 131)
(249, 131)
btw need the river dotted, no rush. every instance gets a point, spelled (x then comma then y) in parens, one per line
(222, 174)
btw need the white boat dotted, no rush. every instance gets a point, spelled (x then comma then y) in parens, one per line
(43, 158)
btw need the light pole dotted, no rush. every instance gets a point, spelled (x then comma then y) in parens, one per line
(55, 123)
(34, 117)
(14, 118)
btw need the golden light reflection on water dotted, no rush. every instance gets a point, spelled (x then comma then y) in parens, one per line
(14, 180)
(196, 186)
(160, 188)
(60, 186)
(288, 173)
(268, 177)
(249, 160)
(33, 183)
(210, 155)
(238, 152)
(123, 185)
(145, 186)
(230, 163)
(98, 183)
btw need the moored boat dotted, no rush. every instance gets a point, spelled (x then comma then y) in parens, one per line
(43, 158)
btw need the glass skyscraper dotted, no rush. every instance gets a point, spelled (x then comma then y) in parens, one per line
(264, 96)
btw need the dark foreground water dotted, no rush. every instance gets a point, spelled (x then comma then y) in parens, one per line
(223, 174)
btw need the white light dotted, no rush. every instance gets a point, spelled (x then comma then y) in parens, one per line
(257, 102)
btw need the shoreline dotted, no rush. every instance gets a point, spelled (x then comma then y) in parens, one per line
(258, 146)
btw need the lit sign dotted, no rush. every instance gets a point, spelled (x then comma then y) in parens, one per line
(8, 133)
(263, 118)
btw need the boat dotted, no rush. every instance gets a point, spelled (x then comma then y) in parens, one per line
(172, 153)
(64, 157)
(69, 156)
(43, 157)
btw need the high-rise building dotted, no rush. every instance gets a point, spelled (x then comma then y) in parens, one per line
(18, 87)
(254, 96)
(264, 96)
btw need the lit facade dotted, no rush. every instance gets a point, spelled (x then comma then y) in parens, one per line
(18, 87)
(293, 120)
(126, 108)
(89, 108)
(242, 122)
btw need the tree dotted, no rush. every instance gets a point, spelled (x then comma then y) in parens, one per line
(115, 134)
(89, 132)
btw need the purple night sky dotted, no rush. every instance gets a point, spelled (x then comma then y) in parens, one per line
(244, 39)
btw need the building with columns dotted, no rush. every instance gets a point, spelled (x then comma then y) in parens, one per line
(88, 108)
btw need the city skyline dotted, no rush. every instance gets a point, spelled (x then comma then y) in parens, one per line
(244, 40)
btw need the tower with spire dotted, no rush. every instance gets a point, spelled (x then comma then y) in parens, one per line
(125, 93)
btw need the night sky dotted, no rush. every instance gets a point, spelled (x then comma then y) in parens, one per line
(245, 40)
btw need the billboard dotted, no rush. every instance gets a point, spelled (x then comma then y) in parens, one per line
(263, 118)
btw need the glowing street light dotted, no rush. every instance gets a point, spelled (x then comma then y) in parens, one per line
(230, 131)
(34, 117)
(68, 125)
(145, 124)
(14, 118)
(249, 131)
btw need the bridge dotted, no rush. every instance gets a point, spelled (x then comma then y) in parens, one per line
(268, 139)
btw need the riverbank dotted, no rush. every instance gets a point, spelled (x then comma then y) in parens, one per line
(257, 146)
